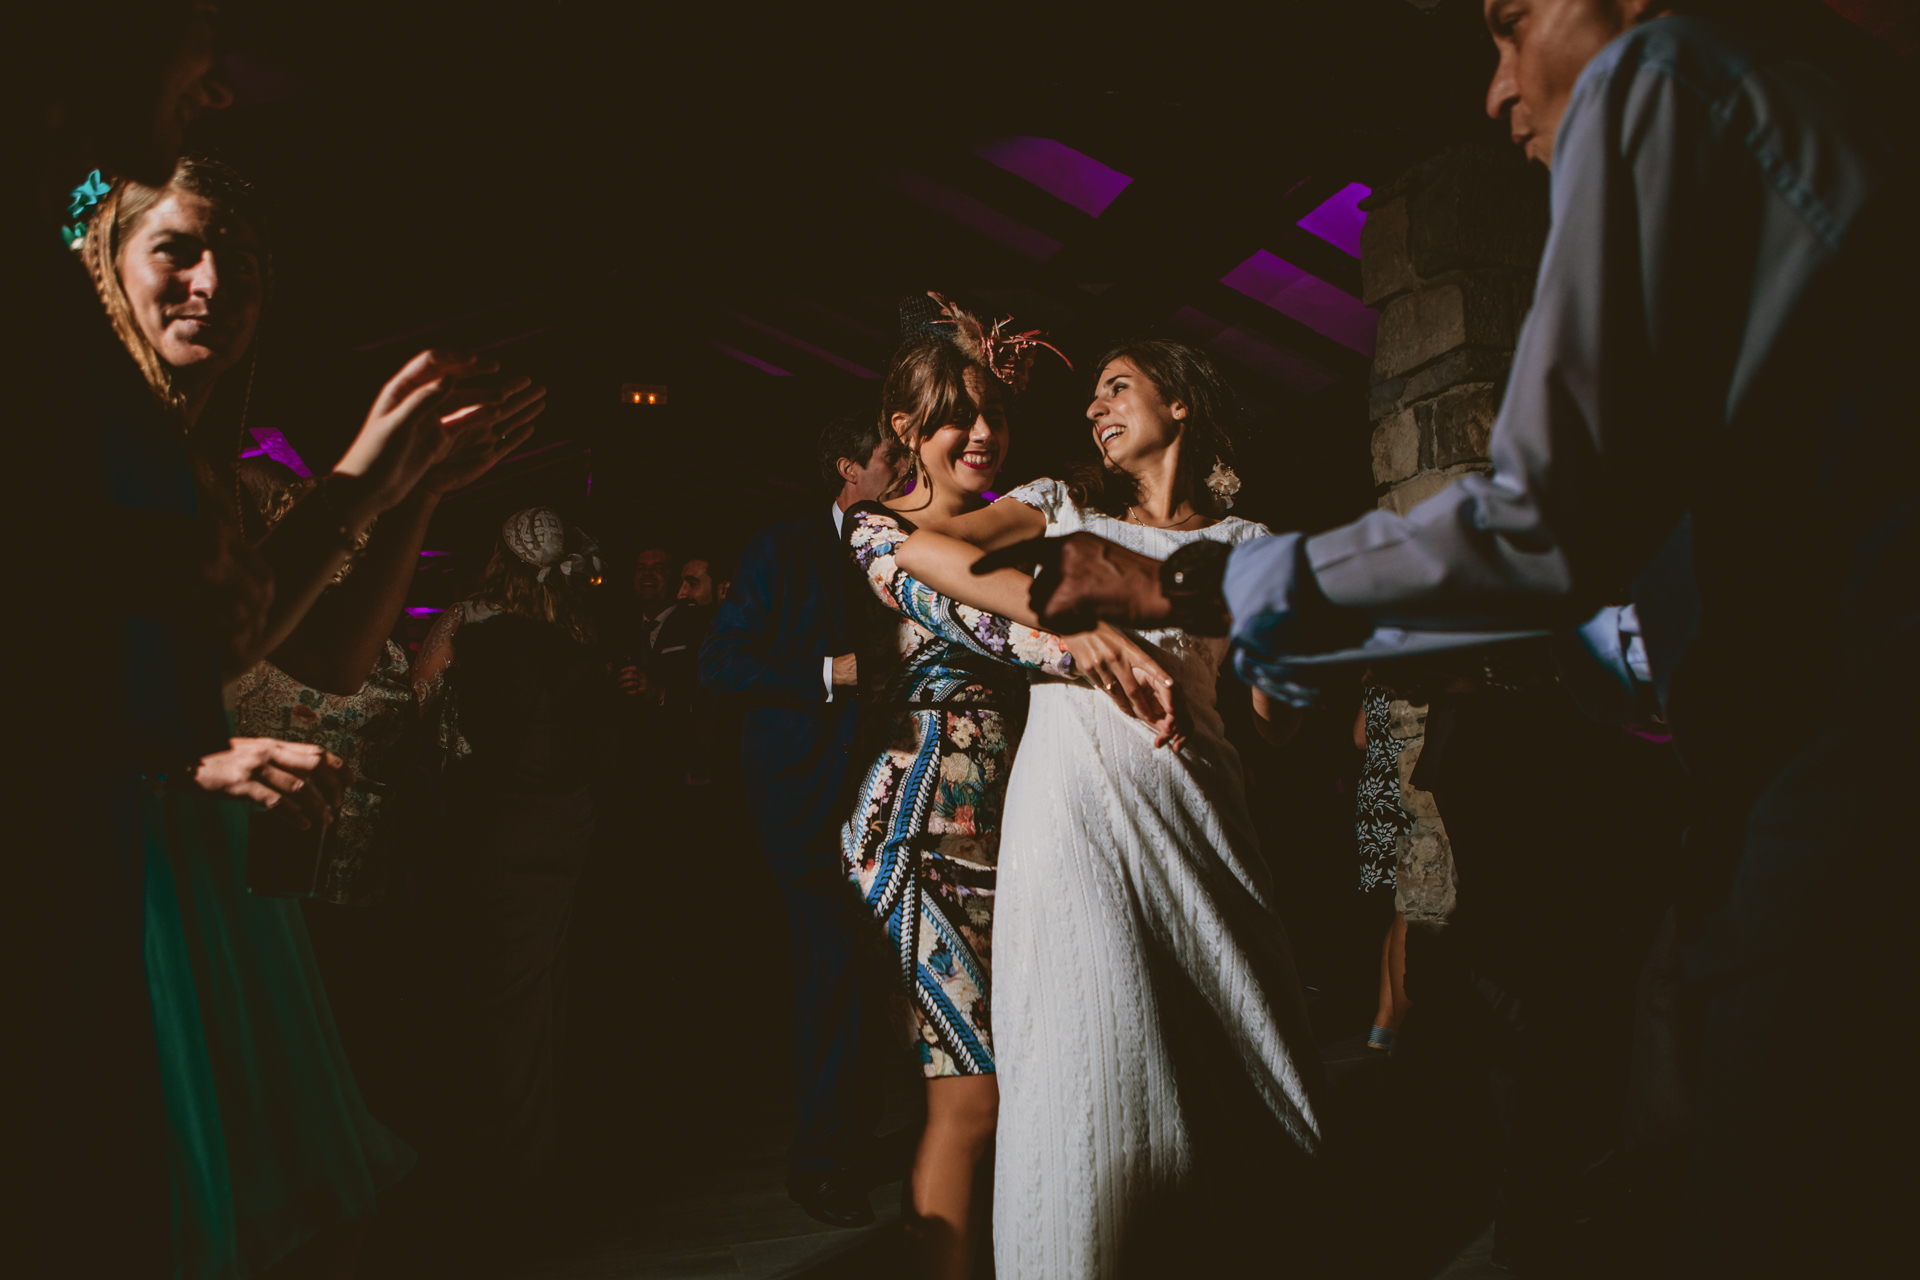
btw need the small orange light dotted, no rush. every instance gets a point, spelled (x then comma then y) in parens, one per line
(647, 393)
(653, 399)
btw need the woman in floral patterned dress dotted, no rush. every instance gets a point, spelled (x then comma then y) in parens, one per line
(944, 688)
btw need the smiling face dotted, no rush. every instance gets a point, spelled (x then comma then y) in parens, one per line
(966, 456)
(651, 569)
(697, 586)
(1131, 422)
(193, 282)
(1544, 45)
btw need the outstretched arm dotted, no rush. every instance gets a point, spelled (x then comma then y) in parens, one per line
(945, 564)
(879, 543)
(1105, 655)
(335, 646)
(998, 524)
(436, 652)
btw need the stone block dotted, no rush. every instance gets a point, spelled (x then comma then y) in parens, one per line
(1384, 398)
(1470, 364)
(1396, 448)
(1477, 206)
(1454, 312)
(1386, 268)
(1420, 326)
(1403, 498)
(1405, 720)
(1459, 423)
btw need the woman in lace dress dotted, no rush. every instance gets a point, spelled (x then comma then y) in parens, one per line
(945, 694)
(1158, 1074)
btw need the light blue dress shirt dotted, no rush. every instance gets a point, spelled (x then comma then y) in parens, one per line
(1680, 356)
(1709, 413)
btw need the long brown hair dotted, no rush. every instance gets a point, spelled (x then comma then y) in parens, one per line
(1178, 372)
(511, 585)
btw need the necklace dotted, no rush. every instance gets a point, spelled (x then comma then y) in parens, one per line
(1135, 517)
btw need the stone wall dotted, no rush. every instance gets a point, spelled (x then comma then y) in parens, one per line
(1447, 256)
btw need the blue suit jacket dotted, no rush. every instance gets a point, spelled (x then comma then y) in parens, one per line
(787, 610)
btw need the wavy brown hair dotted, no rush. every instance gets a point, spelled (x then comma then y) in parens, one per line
(927, 381)
(1179, 373)
(513, 586)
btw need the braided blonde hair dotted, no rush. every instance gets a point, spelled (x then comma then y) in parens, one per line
(117, 217)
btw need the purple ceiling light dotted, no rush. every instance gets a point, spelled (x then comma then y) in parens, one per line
(275, 446)
(969, 212)
(755, 361)
(1339, 219)
(1307, 298)
(1266, 358)
(1058, 170)
(800, 344)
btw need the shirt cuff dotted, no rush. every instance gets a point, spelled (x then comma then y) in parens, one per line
(826, 676)
(1258, 586)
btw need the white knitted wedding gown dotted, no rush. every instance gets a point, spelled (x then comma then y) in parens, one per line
(1133, 906)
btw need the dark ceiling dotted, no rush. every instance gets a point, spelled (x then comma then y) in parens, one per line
(729, 201)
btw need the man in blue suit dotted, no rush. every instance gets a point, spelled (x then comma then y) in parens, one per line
(781, 641)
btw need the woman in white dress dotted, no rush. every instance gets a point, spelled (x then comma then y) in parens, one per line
(1157, 1072)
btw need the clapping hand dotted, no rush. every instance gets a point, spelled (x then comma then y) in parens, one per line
(438, 403)
(495, 414)
(306, 779)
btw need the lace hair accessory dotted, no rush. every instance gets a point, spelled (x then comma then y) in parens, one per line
(1223, 482)
(1009, 355)
(538, 536)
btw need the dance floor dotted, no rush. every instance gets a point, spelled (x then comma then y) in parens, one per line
(713, 1203)
(677, 1117)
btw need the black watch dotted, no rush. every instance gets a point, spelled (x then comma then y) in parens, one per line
(1191, 579)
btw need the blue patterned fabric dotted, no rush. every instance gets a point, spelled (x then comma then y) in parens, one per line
(946, 698)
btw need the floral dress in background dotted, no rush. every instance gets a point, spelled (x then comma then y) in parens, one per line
(1378, 817)
(945, 698)
(371, 730)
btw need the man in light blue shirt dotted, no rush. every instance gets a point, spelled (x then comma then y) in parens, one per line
(1708, 415)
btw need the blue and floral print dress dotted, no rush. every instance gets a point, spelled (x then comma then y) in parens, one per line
(944, 697)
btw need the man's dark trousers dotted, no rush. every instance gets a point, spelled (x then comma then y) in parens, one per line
(784, 615)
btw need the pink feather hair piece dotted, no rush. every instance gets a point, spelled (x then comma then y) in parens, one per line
(1009, 355)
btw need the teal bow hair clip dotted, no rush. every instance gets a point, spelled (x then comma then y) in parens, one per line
(85, 197)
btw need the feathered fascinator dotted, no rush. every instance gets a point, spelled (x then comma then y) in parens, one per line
(1009, 355)
(538, 536)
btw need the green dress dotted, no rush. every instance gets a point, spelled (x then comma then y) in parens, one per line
(270, 1142)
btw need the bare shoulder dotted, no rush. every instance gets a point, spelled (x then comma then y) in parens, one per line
(436, 651)
(1236, 531)
(999, 524)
